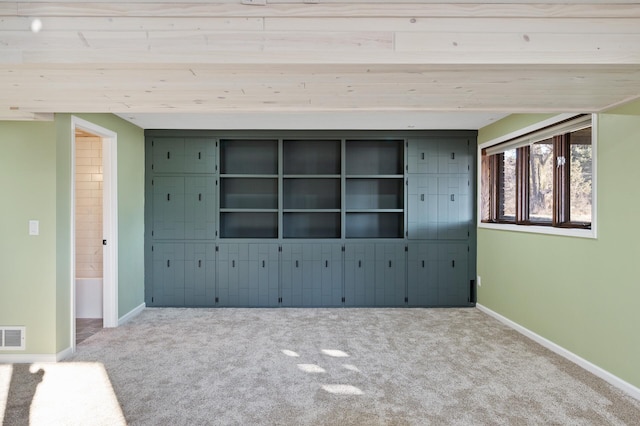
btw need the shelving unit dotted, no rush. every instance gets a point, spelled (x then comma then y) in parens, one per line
(249, 188)
(311, 188)
(270, 218)
(374, 189)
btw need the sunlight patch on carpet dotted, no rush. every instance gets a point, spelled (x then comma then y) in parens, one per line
(74, 393)
(351, 368)
(335, 353)
(5, 380)
(342, 389)
(311, 368)
(292, 354)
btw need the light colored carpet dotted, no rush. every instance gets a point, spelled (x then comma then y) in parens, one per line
(343, 366)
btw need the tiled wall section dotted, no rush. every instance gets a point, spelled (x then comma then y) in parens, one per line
(88, 207)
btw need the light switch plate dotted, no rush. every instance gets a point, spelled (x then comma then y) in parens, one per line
(34, 227)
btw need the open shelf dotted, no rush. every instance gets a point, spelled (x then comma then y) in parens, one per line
(248, 193)
(374, 225)
(311, 193)
(375, 193)
(311, 225)
(249, 225)
(249, 156)
(374, 157)
(311, 157)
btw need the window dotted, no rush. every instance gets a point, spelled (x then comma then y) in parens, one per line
(542, 178)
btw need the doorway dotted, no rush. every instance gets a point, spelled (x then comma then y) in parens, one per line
(94, 224)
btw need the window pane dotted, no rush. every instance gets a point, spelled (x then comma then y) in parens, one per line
(580, 175)
(541, 181)
(508, 186)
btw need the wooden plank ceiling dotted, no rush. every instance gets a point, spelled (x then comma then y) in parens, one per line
(316, 56)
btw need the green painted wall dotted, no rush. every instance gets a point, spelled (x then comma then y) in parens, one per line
(35, 181)
(63, 236)
(579, 293)
(28, 263)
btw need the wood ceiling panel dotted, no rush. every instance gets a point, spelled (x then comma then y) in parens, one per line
(203, 89)
(223, 56)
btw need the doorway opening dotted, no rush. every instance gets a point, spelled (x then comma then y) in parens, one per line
(88, 223)
(94, 224)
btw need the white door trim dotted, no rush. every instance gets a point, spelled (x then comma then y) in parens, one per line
(109, 220)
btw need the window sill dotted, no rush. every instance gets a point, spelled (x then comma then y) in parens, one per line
(537, 229)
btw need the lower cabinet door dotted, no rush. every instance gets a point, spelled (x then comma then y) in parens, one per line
(437, 274)
(228, 283)
(200, 275)
(291, 275)
(453, 282)
(321, 274)
(390, 267)
(248, 275)
(422, 279)
(263, 275)
(168, 274)
(359, 275)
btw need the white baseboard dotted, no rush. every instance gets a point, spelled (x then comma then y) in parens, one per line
(64, 354)
(33, 358)
(27, 358)
(589, 366)
(131, 314)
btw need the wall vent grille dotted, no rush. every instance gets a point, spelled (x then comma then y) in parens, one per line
(12, 338)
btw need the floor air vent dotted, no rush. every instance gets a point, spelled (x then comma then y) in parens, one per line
(12, 338)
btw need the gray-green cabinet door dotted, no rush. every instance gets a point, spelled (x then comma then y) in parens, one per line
(331, 274)
(168, 274)
(291, 275)
(311, 275)
(200, 275)
(200, 208)
(168, 207)
(359, 274)
(168, 155)
(453, 282)
(422, 156)
(200, 156)
(390, 267)
(454, 207)
(453, 156)
(263, 277)
(321, 274)
(422, 212)
(422, 270)
(228, 267)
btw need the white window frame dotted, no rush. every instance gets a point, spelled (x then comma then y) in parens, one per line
(537, 229)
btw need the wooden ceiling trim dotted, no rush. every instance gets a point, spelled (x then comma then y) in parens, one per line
(107, 23)
(463, 25)
(327, 10)
(230, 77)
(96, 58)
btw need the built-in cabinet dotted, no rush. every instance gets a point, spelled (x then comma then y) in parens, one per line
(271, 219)
(248, 274)
(439, 189)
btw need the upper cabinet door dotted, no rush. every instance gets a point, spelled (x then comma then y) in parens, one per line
(200, 156)
(168, 208)
(422, 156)
(443, 156)
(168, 155)
(453, 156)
(179, 155)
